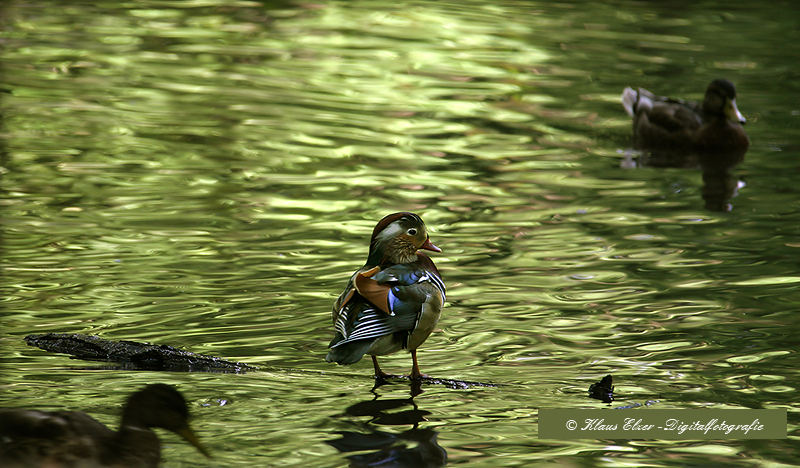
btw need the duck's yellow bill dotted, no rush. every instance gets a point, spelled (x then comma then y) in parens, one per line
(188, 435)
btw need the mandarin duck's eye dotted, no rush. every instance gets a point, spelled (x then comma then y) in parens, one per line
(412, 232)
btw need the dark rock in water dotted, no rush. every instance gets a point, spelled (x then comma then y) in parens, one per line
(602, 390)
(133, 355)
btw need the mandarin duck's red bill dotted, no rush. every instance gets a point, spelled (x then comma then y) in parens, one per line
(394, 301)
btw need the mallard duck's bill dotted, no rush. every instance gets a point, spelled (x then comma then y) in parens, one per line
(428, 245)
(733, 114)
(188, 436)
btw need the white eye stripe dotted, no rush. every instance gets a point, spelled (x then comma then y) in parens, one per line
(412, 232)
(390, 231)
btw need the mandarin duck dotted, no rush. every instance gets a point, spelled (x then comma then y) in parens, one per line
(394, 301)
(665, 123)
(30, 438)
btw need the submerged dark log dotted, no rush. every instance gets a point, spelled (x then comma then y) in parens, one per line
(133, 355)
(449, 383)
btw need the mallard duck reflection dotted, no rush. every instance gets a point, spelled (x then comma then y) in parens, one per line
(415, 447)
(720, 182)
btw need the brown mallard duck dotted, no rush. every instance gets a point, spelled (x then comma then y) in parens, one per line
(32, 438)
(665, 123)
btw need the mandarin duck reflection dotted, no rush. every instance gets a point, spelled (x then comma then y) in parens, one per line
(32, 438)
(394, 301)
(661, 122)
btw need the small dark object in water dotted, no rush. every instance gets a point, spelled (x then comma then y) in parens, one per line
(602, 390)
(75, 439)
(133, 355)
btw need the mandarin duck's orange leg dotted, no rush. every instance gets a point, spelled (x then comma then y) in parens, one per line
(415, 373)
(379, 374)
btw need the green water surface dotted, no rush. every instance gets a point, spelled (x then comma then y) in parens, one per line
(206, 174)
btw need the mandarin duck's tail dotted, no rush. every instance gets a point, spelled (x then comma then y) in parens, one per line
(348, 353)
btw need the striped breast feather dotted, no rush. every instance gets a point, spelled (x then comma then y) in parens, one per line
(432, 273)
(436, 281)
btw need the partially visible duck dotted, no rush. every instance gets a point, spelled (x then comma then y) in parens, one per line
(32, 438)
(665, 123)
(394, 301)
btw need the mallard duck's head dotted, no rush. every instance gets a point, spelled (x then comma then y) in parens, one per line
(720, 100)
(160, 405)
(397, 238)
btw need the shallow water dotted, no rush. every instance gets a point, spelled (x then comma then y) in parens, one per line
(207, 174)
